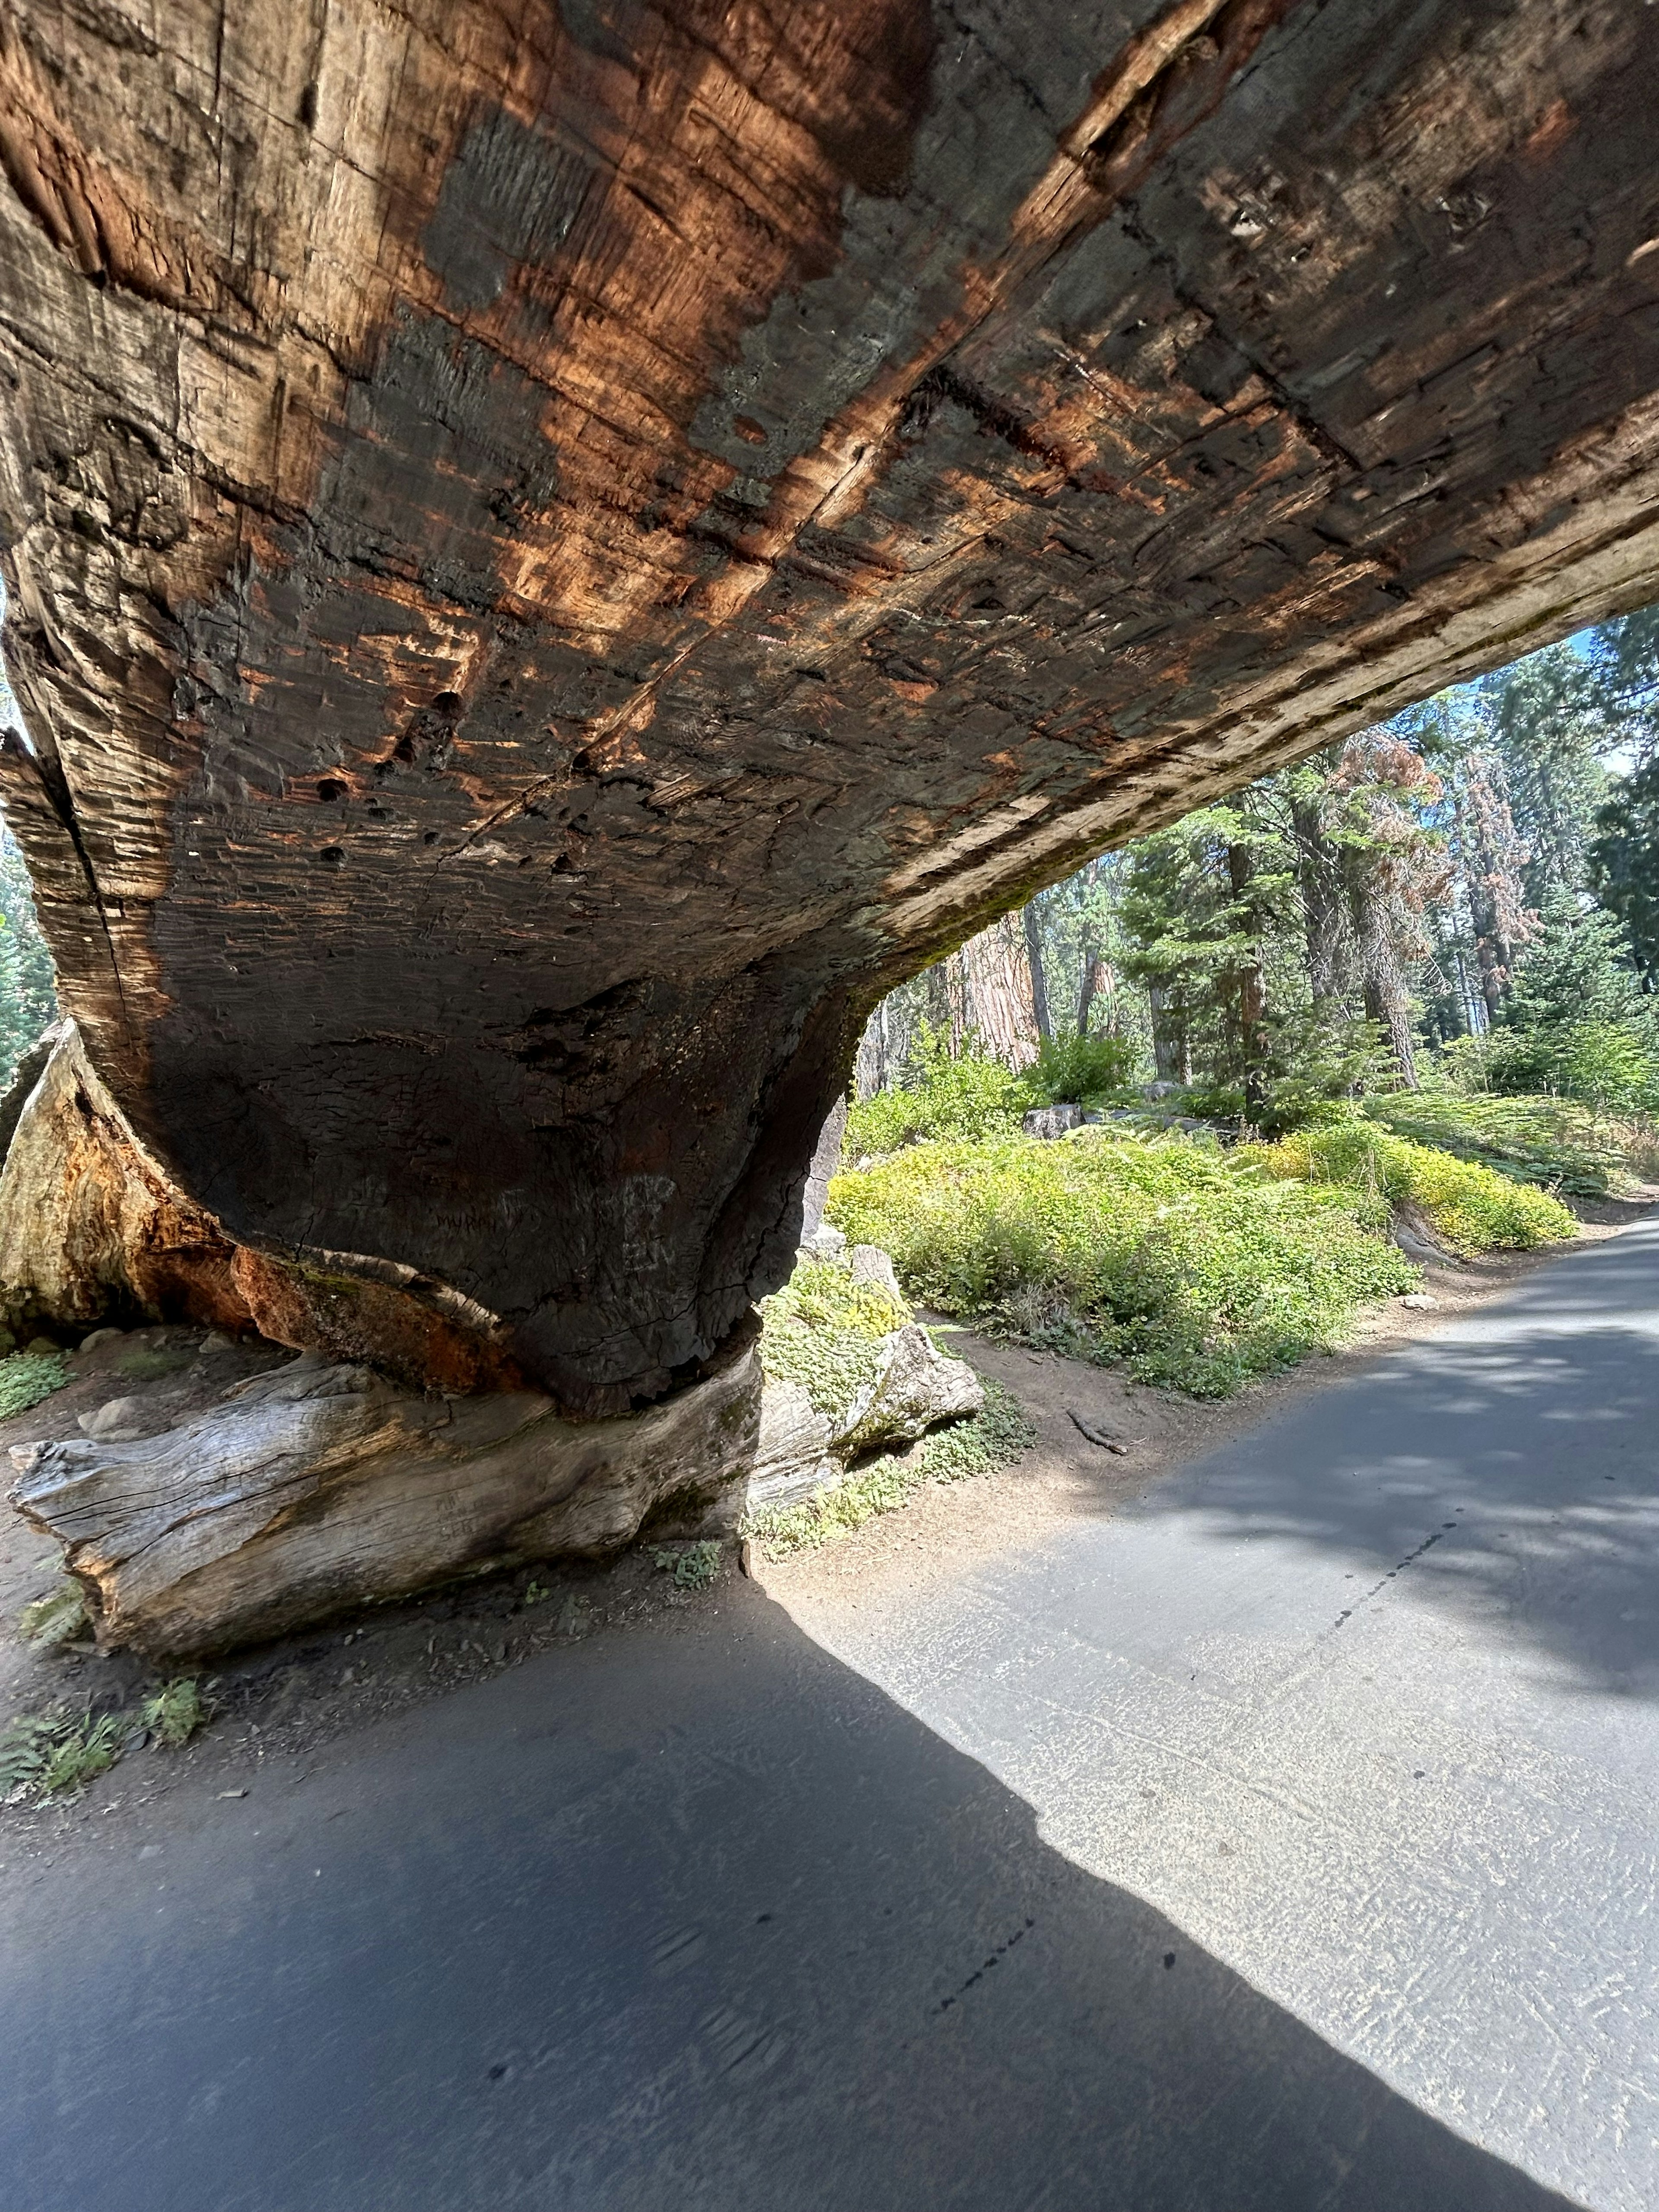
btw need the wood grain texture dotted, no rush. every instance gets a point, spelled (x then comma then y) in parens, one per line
(555, 551)
(321, 1487)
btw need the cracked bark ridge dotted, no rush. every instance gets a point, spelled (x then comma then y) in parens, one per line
(554, 551)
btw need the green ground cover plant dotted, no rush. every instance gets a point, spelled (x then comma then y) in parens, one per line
(54, 1754)
(1195, 1266)
(989, 1439)
(823, 1331)
(974, 1094)
(26, 1377)
(1560, 1144)
(1470, 1207)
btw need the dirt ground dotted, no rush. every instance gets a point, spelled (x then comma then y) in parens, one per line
(278, 1701)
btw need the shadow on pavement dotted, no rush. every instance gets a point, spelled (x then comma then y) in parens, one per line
(688, 1917)
(1494, 1464)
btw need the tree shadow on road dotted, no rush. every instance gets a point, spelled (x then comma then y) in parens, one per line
(693, 1917)
(1507, 1472)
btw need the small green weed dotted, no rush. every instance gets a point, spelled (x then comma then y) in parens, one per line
(145, 1366)
(175, 1712)
(693, 1566)
(26, 1377)
(46, 1755)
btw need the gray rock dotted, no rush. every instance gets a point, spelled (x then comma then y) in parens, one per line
(826, 1243)
(792, 1456)
(102, 1336)
(826, 1158)
(115, 1415)
(917, 1386)
(1047, 1121)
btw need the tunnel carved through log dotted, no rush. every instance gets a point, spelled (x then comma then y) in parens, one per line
(555, 552)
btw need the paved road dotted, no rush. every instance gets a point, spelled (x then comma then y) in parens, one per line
(1284, 1842)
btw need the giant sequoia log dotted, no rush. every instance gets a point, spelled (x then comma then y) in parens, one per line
(558, 547)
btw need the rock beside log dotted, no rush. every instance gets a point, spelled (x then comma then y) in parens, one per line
(321, 1485)
(839, 1385)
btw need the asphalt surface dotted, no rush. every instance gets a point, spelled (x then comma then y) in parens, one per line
(1284, 1842)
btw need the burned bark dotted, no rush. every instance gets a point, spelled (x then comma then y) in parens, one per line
(554, 555)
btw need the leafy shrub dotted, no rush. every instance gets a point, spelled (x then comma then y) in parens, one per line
(1193, 1265)
(26, 1377)
(1602, 1063)
(1078, 1071)
(986, 1441)
(693, 1566)
(972, 1095)
(1559, 1143)
(1471, 1207)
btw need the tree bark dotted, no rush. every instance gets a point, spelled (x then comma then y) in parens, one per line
(1033, 926)
(1171, 1053)
(1387, 1000)
(1319, 882)
(92, 1229)
(998, 981)
(1251, 996)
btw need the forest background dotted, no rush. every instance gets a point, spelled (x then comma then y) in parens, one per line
(1466, 896)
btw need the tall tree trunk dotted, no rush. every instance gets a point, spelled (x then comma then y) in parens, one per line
(1097, 976)
(1252, 995)
(1033, 926)
(999, 977)
(1171, 1053)
(1319, 880)
(1387, 1000)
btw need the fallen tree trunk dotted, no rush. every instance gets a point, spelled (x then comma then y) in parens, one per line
(322, 1485)
(319, 1486)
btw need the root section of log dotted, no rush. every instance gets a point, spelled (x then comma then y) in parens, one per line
(93, 1228)
(321, 1485)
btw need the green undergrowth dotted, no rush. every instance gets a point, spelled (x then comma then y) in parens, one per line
(1560, 1144)
(26, 1377)
(979, 1445)
(824, 1331)
(54, 1755)
(1197, 1270)
(1470, 1206)
(972, 1094)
